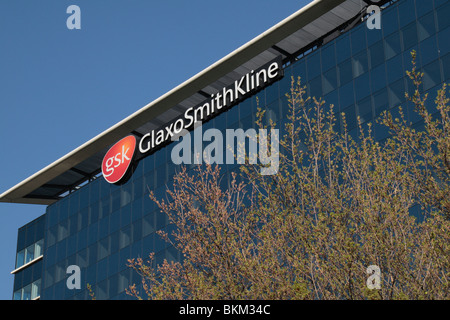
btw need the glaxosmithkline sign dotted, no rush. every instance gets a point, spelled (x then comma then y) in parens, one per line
(116, 163)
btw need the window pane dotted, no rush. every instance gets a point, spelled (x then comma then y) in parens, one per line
(328, 57)
(36, 289)
(360, 64)
(342, 48)
(125, 237)
(20, 258)
(407, 12)
(380, 100)
(365, 109)
(423, 7)
(38, 249)
(299, 70)
(345, 72)
(63, 230)
(429, 50)
(103, 248)
(313, 61)
(346, 95)
(27, 292)
(395, 69)
(390, 21)
(446, 64)
(374, 35)
(329, 81)
(425, 26)
(409, 36)
(350, 117)
(432, 75)
(444, 43)
(358, 39)
(18, 295)
(362, 86)
(443, 14)
(315, 88)
(29, 253)
(376, 53)
(378, 76)
(148, 224)
(392, 45)
(396, 93)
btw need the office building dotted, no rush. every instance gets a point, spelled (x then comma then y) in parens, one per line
(98, 225)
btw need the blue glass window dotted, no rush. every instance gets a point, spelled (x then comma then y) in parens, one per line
(374, 35)
(103, 248)
(362, 86)
(396, 93)
(426, 26)
(429, 50)
(114, 221)
(446, 65)
(423, 7)
(343, 51)
(350, 117)
(298, 70)
(113, 263)
(392, 46)
(442, 16)
(329, 81)
(114, 240)
(315, 88)
(378, 77)
(52, 215)
(92, 233)
(20, 259)
(365, 109)
(345, 72)
(148, 224)
(376, 53)
(360, 64)
(358, 39)
(125, 237)
(432, 75)
(328, 56)
(313, 61)
(380, 100)
(409, 36)
(395, 67)
(407, 12)
(390, 21)
(125, 216)
(346, 95)
(82, 258)
(444, 43)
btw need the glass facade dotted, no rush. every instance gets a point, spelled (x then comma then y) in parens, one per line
(28, 270)
(362, 72)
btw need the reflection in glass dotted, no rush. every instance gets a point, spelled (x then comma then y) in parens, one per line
(20, 258)
(27, 293)
(29, 254)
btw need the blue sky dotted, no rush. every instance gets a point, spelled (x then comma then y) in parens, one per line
(60, 87)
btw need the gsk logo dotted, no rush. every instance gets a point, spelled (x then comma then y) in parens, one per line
(117, 160)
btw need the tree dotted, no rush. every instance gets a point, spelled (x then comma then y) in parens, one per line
(335, 207)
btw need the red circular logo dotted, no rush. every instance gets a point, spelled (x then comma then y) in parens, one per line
(118, 159)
